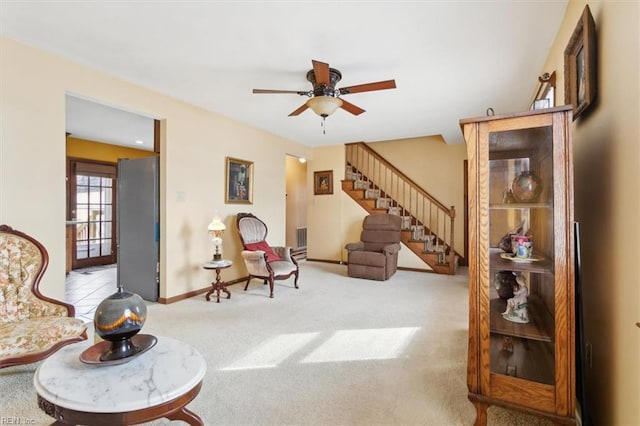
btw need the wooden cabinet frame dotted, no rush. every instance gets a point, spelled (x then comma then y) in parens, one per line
(543, 138)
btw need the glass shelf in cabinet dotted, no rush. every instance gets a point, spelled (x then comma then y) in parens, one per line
(497, 262)
(523, 359)
(506, 206)
(540, 326)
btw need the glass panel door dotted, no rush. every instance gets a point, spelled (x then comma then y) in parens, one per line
(521, 253)
(94, 206)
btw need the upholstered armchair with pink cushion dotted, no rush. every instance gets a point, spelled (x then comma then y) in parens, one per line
(32, 326)
(263, 261)
(375, 256)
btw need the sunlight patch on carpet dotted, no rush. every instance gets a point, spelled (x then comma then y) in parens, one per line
(272, 352)
(358, 345)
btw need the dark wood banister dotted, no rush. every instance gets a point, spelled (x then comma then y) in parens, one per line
(450, 211)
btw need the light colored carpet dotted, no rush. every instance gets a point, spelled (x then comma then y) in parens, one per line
(337, 351)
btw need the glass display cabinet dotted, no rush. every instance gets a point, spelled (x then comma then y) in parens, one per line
(521, 263)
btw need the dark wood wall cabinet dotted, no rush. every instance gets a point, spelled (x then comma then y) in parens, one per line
(521, 264)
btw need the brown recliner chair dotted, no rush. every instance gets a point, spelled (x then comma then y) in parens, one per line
(375, 257)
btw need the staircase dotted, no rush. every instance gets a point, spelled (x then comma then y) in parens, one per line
(379, 187)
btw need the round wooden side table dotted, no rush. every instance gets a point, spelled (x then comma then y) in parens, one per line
(218, 285)
(158, 383)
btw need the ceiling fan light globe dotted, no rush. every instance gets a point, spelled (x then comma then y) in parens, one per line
(324, 106)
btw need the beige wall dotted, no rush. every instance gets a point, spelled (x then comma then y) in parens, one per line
(431, 163)
(194, 145)
(324, 211)
(607, 200)
(195, 142)
(437, 167)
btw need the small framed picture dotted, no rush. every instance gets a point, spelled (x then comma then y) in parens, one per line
(323, 182)
(580, 64)
(238, 181)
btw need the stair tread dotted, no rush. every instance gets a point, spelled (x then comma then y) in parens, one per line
(416, 246)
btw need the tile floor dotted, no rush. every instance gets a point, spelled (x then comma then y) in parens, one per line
(86, 288)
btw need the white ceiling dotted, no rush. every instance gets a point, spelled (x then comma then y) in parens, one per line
(88, 119)
(450, 59)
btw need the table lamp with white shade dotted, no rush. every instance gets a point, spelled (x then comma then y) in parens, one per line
(216, 229)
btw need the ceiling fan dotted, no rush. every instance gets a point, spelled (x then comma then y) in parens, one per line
(325, 98)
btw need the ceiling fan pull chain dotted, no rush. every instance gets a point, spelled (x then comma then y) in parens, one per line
(323, 124)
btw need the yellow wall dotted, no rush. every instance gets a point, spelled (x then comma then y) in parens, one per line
(91, 150)
(607, 200)
(193, 145)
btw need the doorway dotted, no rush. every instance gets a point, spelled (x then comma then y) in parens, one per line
(97, 136)
(92, 208)
(296, 206)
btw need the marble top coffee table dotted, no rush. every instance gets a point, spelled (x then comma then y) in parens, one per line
(156, 384)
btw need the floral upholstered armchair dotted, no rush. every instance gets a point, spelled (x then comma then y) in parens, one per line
(263, 261)
(32, 326)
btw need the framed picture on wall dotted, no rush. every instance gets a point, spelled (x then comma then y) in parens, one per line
(323, 182)
(580, 64)
(238, 181)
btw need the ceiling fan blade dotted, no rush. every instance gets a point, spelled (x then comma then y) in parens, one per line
(321, 71)
(353, 109)
(299, 92)
(300, 110)
(368, 87)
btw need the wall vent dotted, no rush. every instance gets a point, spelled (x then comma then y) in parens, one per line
(301, 237)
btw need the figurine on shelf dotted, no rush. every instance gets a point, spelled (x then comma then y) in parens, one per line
(508, 197)
(506, 243)
(507, 345)
(517, 305)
